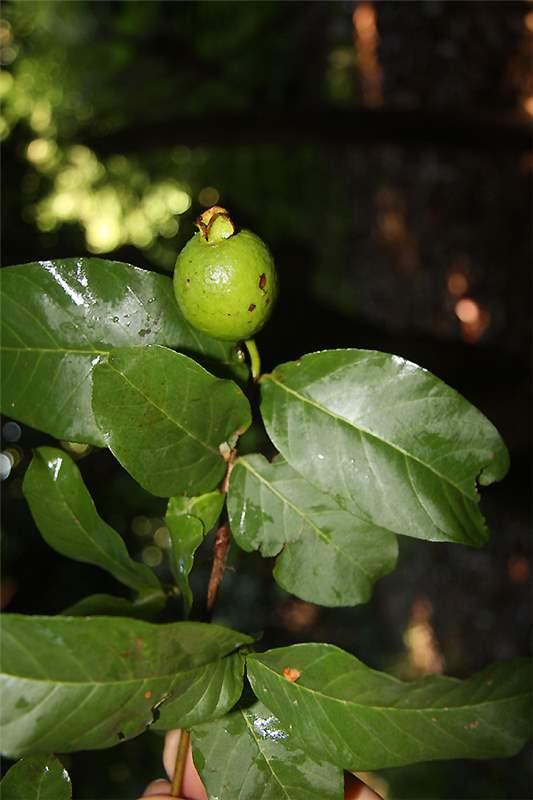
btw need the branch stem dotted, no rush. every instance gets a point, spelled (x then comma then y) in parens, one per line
(181, 760)
(219, 564)
(222, 542)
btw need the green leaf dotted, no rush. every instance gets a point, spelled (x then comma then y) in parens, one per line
(73, 683)
(67, 518)
(385, 435)
(247, 755)
(213, 692)
(60, 317)
(165, 418)
(147, 606)
(327, 555)
(188, 519)
(361, 719)
(36, 777)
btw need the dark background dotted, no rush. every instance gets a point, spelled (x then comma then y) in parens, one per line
(383, 151)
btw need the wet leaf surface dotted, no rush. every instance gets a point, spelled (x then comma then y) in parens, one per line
(361, 719)
(387, 436)
(36, 777)
(165, 418)
(213, 692)
(73, 684)
(188, 520)
(247, 754)
(59, 317)
(69, 522)
(326, 554)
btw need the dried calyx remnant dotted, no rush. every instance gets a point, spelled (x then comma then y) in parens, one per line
(215, 224)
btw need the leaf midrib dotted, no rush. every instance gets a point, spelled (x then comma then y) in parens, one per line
(305, 399)
(265, 759)
(320, 533)
(177, 675)
(392, 709)
(163, 412)
(56, 350)
(127, 568)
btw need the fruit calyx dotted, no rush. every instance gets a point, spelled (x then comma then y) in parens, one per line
(215, 224)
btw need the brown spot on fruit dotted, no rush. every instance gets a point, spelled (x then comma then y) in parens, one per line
(262, 280)
(291, 674)
(251, 307)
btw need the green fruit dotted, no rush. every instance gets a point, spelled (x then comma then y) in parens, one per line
(225, 282)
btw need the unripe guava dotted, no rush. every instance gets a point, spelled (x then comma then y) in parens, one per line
(225, 282)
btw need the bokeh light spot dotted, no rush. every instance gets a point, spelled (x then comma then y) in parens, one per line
(11, 431)
(162, 538)
(208, 196)
(467, 310)
(141, 526)
(39, 150)
(528, 106)
(457, 283)
(6, 464)
(152, 556)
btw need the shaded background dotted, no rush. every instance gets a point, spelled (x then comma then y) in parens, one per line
(383, 151)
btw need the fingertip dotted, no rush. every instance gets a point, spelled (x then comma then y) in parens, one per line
(192, 783)
(170, 751)
(354, 789)
(158, 789)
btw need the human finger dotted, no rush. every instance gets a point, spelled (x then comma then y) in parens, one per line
(158, 790)
(354, 789)
(193, 787)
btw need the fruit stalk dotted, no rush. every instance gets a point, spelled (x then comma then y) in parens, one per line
(181, 760)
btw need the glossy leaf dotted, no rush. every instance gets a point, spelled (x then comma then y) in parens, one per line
(147, 606)
(188, 519)
(165, 418)
(71, 683)
(36, 777)
(68, 521)
(385, 435)
(361, 719)
(325, 554)
(59, 317)
(214, 691)
(246, 755)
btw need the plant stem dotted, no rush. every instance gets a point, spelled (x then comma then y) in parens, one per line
(222, 542)
(255, 358)
(181, 760)
(219, 563)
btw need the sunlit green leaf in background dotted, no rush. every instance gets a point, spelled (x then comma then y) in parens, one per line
(70, 683)
(165, 418)
(388, 436)
(326, 554)
(188, 520)
(213, 692)
(58, 317)
(36, 777)
(358, 718)
(67, 518)
(247, 754)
